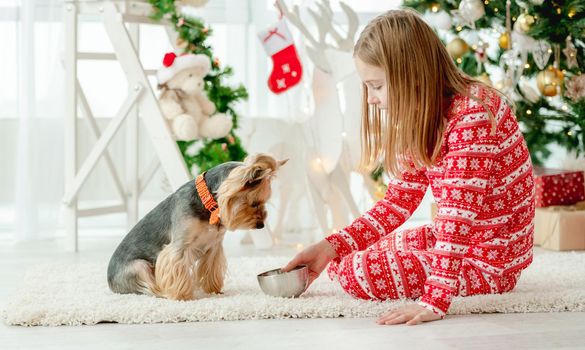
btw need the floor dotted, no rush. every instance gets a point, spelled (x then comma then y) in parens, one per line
(493, 331)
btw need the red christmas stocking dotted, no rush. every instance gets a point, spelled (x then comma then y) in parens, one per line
(287, 69)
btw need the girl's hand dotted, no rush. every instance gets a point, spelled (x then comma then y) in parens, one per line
(315, 256)
(411, 314)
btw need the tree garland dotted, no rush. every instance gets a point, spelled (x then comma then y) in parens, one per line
(201, 155)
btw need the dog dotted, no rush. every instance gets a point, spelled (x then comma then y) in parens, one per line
(176, 249)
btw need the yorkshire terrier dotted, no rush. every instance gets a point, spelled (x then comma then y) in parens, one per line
(176, 249)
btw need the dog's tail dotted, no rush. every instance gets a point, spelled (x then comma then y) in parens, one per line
(145, 281)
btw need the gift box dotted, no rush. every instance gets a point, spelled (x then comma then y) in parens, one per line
(558, 187)
(560, 227)
(434, 209)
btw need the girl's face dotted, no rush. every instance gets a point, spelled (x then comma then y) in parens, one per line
(375, 80)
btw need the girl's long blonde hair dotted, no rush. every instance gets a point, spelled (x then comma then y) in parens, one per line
(421, 78)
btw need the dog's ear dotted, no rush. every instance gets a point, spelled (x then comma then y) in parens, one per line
(255, 174)
(282, 162)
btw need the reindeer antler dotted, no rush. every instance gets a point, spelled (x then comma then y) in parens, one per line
(294, 17)
(324, 21)
(346, 43)
(325, 18)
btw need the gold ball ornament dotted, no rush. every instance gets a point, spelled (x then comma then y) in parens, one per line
(549, 81)
(380, 191)
(457, 48)
(504, 41)
(524, 23)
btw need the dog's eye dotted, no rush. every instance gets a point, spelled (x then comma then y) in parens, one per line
(255, 204)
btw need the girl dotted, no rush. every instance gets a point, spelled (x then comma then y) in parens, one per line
(428, 123)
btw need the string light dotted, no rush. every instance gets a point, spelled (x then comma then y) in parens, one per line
(529, 112)
(527, 65)
(486, 2)
(564, 107)
(459, 60)
(570, 133)
(435, 8)
(559, 10)
(572, 13)
(459, 28)
(496, 10)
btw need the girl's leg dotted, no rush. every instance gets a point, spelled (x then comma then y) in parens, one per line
(384, 274)
(420, 238)
(381, 272)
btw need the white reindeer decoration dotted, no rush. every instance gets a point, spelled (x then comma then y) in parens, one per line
(335, 151)
(324, 149)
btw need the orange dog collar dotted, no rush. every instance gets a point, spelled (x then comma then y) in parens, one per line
(207, 199)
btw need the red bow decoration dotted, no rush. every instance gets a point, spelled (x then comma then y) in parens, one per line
(274, 32)
(169, 59)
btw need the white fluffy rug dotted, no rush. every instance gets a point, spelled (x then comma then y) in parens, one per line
(60, 294)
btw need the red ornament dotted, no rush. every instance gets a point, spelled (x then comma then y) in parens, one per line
(169, 59)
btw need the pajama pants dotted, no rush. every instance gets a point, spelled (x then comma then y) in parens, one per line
(397, 266)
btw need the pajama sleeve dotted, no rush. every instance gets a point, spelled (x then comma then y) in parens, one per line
(401, 199)
(467, 164)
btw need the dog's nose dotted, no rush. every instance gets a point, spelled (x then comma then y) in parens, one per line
(259, 225)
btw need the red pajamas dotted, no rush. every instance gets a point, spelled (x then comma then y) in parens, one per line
(482, 236)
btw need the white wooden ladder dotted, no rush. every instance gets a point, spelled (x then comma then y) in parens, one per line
(140, 104)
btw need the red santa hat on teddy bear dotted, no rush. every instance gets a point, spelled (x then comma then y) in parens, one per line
(173, 64)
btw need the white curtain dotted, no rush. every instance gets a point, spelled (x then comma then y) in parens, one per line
(37, 124)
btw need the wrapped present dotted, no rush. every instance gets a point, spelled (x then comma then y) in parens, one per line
(560, 227)
(434, 209)
(558, 187)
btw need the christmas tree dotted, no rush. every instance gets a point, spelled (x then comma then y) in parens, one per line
(201, 155)
(537, 44)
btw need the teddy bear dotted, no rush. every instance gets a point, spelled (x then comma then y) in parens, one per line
(183, 100)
